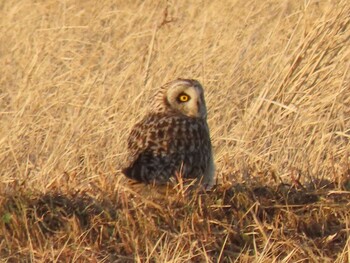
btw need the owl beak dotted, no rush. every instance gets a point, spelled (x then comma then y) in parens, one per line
(204, 113)
(202, 110)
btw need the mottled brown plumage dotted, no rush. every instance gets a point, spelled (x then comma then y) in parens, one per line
(173, 138)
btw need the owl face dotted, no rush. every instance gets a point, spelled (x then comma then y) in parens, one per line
(186, 97)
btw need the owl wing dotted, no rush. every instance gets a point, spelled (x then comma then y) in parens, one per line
(160, 145)
(149, 159)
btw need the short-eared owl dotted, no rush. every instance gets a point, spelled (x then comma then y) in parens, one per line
(173, 138)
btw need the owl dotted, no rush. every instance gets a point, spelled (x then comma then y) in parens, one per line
(173, 138)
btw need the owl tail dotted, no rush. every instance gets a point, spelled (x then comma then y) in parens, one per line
(134, 173)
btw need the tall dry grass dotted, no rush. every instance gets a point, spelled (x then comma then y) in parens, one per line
(76, 75)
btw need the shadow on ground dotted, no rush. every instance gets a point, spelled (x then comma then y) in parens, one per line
(228, 222)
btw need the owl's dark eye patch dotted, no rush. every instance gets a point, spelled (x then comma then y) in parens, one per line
(183, 97)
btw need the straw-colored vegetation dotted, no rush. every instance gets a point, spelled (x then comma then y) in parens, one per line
(75, 76)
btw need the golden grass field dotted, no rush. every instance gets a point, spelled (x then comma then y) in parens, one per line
(76, 75)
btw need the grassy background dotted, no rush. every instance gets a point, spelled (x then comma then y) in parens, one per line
(76, 75)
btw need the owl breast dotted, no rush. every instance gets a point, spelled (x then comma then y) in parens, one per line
(162, 145)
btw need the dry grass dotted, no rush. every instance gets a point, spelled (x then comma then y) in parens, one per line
(75, 75)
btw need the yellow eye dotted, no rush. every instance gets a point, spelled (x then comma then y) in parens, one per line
(184, 98)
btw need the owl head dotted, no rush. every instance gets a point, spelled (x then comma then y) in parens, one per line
(184, 96)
